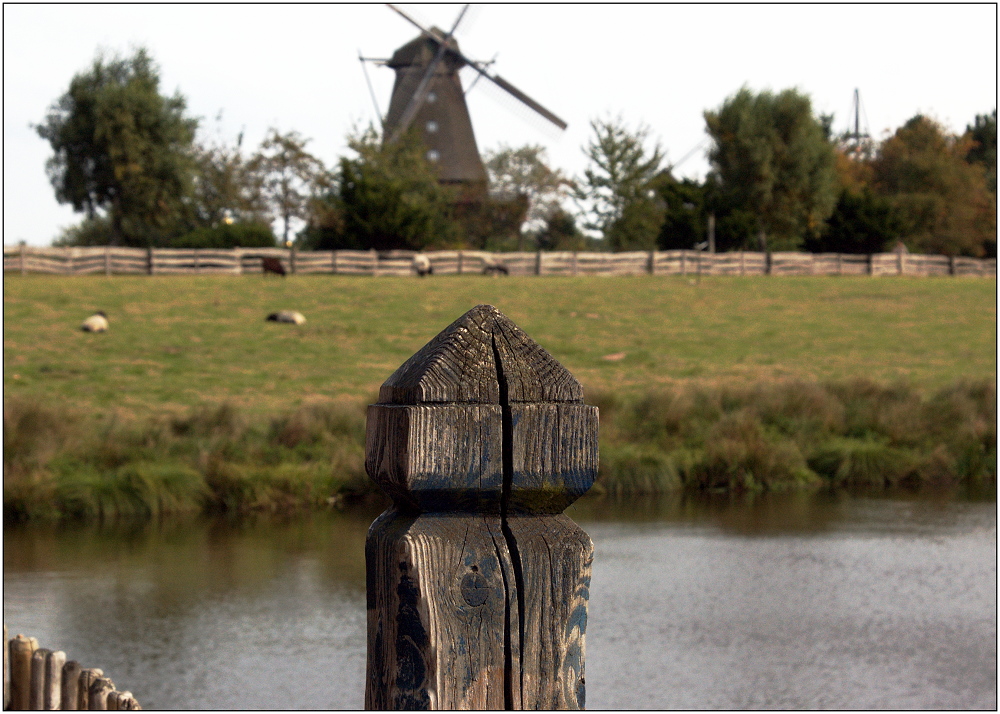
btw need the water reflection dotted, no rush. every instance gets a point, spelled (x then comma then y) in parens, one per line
(801, 601)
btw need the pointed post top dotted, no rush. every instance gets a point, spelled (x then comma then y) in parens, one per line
(481, 358)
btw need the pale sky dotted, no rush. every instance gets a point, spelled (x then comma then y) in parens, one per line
(296, 67)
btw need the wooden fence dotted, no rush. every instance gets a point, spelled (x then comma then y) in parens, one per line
(237, 261)
(35, 678)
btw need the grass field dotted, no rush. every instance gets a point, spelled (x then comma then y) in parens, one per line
(193, 400)
(176, 342)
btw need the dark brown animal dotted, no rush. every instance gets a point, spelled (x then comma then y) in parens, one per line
(272, 265)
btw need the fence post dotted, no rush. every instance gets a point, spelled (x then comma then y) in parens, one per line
(21, 258)
(149, 260)
(871, 264)
(652, 262)
(98, 692)
(461, 256)
(374, 254)
(477, 582)
(291, 260)
(899, 262)
(21, 650)
(538, 263)
(575, 268)
(87, 677)
(70, 685)
(107, 260)
(333, 261)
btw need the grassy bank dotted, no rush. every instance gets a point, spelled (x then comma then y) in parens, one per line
(764, 437)
(192, 401)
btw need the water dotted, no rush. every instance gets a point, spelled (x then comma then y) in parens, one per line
(799, 601)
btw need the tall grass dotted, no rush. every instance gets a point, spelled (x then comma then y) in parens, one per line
(854, 433)
(61, 463)
(774, 436)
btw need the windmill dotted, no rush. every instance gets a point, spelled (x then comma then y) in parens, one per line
(428, 94)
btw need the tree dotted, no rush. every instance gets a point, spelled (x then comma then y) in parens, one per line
(771, 157)
(524, 171)
(121, 148)
(616, 190)
(983, 150)
(941, 199)
(289, 175)
(385, 197)
(228, 187)
(686, 217)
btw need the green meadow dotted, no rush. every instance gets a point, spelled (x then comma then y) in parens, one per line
(192, 400)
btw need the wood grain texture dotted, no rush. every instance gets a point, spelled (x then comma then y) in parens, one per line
(458, 365)
(439, 604)
(481, 439)
(438, 457)
(555, 561)
(555, 455)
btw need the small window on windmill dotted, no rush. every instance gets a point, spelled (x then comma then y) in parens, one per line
(433, 155)
(431, 97)
(432, 127)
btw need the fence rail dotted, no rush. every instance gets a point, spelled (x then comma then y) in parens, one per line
(237, 261)
(35, 678)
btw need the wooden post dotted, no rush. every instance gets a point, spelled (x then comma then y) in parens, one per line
(292, 261)
(477, 583)
(21, 650)
(538, 263)
(683, 263)
(52, 696)
(87, 677)
(650, 268)
(461, 256)
(36, 695)
(711, 233)
(840, 270)
(196, 266)
(871, 264)
(71, 685)
(575, 267)
(149, 260)
(98, 692)
(899, 262)
(107, 260)
(374, 254)
(951, 265)
(333, 261)
(6, 671)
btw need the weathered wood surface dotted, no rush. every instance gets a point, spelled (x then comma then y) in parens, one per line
(21, 650)
(42, 679)
(477, 584)
(71, 685)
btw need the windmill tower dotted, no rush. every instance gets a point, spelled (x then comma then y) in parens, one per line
(428, 94)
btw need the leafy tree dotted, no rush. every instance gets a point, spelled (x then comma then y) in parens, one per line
(228, 187)
(289, 175)
(685, 223)
(984, 151)
(941, 199)
(387, 196)
(559, 232)
(121, 149)
(771, 157)
(228, 235)
(862, 222)
(616, 189)
(524, 171)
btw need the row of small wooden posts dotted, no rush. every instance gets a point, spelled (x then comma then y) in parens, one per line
(36, 678)
(166, 261)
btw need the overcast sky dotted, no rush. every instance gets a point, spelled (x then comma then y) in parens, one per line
(296, 67)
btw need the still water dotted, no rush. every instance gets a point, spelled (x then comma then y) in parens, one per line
(800, 601)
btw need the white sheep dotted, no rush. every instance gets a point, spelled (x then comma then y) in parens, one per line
(422, 265)
(98, 322)
(289, 316)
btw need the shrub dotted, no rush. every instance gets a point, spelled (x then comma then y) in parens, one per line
(235, 235)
